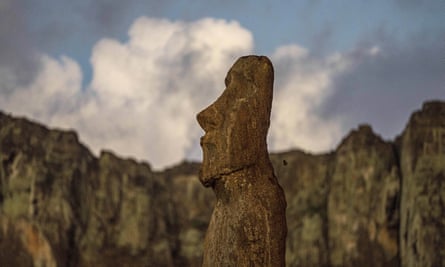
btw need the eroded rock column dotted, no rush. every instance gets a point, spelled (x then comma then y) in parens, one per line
(422, 225)
(248, 224)
(362, 208)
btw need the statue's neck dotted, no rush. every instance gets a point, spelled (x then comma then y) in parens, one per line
(242, 180)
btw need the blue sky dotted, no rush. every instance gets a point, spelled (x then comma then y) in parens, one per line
(340, 23)
(338, 64)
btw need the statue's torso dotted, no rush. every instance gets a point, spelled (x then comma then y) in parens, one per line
(248, 224)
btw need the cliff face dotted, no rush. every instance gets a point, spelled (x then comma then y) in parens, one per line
(422, 209)
(60, 206)
(343, 206)
(370, 202)
(361, 208)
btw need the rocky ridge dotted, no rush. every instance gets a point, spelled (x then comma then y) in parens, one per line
(371, 202)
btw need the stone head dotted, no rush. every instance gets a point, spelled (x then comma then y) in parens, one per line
(236, 124)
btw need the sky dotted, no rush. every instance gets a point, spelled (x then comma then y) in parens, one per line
(130, 76)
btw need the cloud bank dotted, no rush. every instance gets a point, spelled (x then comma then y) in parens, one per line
(145, 91)
(303, 84)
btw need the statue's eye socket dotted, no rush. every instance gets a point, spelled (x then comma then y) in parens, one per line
(228, 79)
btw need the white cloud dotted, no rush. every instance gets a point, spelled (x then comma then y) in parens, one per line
(144, 93)
(149, 89)
(302, 85)
(52, 95)
(375, 50)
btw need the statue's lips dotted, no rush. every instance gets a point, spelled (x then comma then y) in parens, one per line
(202, 141)
(206, 139)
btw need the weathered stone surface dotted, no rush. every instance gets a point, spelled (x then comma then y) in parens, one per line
(39, 169)
(422, 149)
(248, 223)
(192, 208)
(64, 207)
(362, 210)
(305, 179)
(125, 218)
(61, 206)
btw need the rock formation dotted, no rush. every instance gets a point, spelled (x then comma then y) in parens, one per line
(422, 209)
(60, 206)
(369, 200)
(362, 201)
(248, 224)
(305, 180)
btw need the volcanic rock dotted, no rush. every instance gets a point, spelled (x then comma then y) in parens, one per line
(248, 223)
(370, 200)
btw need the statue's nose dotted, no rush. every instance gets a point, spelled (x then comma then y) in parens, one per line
(209, 118)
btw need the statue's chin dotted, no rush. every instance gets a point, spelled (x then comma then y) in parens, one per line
(207, 179)
(209, 174)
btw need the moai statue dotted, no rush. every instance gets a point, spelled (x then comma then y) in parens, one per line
(248, 224)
